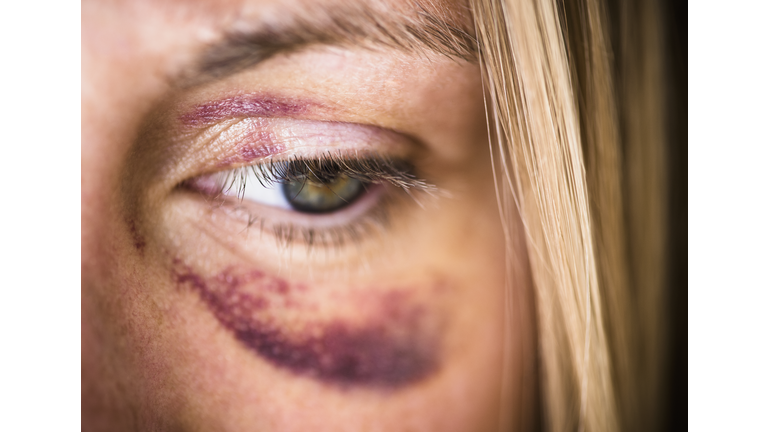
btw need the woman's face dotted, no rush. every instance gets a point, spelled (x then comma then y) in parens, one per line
(360, 287)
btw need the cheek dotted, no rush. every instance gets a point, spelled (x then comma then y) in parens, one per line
(389, 342)
(232, 343)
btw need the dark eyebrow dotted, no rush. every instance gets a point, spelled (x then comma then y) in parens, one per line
(444, 32)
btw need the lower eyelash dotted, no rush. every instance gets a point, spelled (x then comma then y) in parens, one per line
(373, 222)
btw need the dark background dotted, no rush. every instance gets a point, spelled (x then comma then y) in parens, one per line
(676, 25)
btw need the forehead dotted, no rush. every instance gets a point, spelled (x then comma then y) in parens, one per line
(223, 37)
(246, 13)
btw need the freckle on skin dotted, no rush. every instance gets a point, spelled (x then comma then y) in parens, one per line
(138, 240)
(386, 351)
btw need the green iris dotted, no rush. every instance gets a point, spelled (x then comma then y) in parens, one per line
(312, 195)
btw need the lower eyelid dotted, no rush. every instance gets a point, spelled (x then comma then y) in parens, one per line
(249, 228)
(333, 231)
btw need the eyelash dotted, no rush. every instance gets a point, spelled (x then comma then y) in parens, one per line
(370, 169)
(367, 169)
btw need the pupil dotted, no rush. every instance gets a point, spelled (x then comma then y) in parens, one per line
(312, 195)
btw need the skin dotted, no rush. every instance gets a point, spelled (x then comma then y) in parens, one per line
(163, 345)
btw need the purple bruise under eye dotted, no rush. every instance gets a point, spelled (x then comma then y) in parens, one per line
(388, 351)
(138, 240)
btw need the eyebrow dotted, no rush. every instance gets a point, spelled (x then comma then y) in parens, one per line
(368, 24)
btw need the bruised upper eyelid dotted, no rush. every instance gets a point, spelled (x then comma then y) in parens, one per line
(245, 141)
(250, 105)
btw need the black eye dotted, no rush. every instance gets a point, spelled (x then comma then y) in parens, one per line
(313, 195)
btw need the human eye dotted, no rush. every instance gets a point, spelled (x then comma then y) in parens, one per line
(323, 185)
(315, 191)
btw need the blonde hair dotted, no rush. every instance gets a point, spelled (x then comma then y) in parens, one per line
(577, 140)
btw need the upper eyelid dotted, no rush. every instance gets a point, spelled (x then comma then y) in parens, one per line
(240, 142)
(234, 143)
